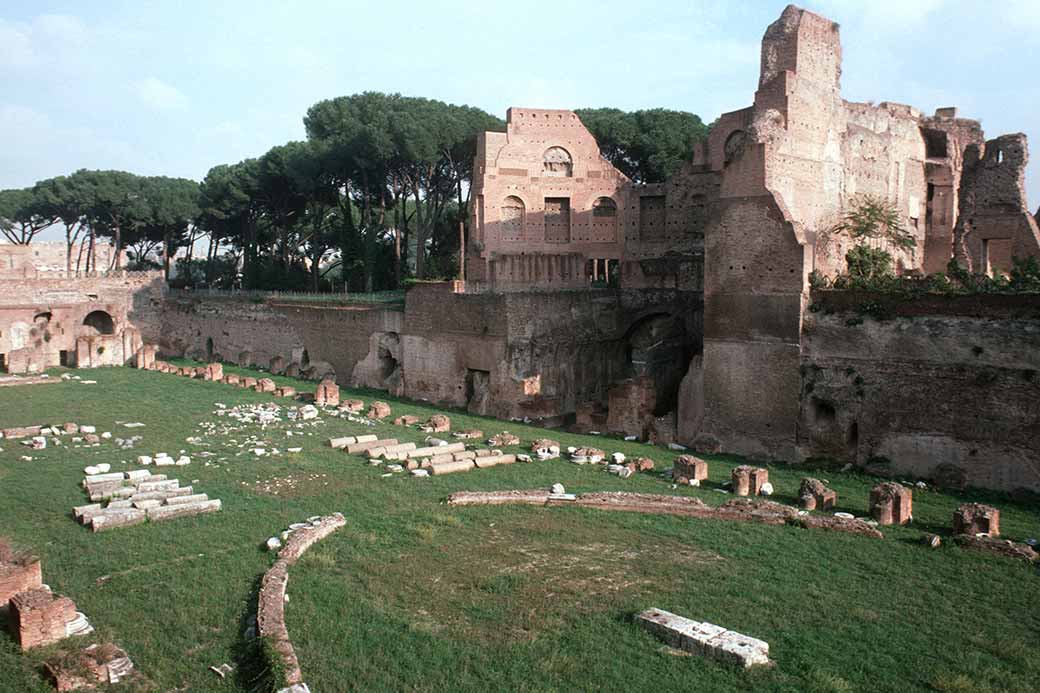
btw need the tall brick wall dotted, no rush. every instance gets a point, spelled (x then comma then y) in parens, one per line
(945, 387)
(536, 354)
(790, 166)
(235, 330)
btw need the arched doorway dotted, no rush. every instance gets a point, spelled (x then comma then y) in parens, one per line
(658, 346)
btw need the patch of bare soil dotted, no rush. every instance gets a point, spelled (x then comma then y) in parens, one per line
(509, 581)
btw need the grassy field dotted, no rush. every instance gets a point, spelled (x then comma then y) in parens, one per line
(415, 595)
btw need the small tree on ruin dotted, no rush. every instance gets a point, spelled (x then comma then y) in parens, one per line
(874, 226)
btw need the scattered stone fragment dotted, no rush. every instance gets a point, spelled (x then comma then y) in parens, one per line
(223, 670)
(378, 410)
(932, 540)
(545, 448)
(471, 434)
(406, 420)
(437, 423)
(98, 664)
(994, 545)
(587, 455)
(273, 544)
(505, 439)
(557, 489)
(705, 639)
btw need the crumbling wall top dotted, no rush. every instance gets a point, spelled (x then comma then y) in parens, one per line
(805, 43)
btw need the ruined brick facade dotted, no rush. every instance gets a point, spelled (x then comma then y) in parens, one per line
(790, 165)
(675, 311)
(84, 321)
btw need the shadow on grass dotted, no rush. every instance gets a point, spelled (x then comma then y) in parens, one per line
(252, 670)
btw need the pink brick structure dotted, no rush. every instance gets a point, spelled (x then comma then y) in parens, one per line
(687, 468)
(747, 481)
(327, 393)
(976, 518)
(814, 495)
(891, 504)
(265, 385)
(38, 617)
(18, 573)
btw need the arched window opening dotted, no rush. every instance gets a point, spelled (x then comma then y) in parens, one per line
(604, 208)
(512, 214)
(734, 146)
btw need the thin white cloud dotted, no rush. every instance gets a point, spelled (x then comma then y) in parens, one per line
(16, 49)
(46, 39)
(887, 15)
(159, 95)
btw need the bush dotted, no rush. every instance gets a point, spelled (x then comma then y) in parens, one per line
(866, 263)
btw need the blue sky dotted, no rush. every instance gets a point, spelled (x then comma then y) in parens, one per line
(177, 87)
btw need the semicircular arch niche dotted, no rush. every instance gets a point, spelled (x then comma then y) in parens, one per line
(734, 147)
(557, 162)
(512, 214)
(99, 322)
(604, 220)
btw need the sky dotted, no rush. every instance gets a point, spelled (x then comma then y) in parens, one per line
(174, 88)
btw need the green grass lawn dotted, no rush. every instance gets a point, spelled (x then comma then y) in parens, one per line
(415, 595)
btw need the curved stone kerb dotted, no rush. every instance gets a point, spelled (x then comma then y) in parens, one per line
(271, 609)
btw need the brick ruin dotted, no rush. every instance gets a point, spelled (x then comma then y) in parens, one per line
(679, 311)
(84, 322)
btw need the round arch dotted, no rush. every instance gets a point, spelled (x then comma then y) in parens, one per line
(100, 322)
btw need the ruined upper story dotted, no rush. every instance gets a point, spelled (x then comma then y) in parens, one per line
(817, 153)
(48, 258)
(549, 211)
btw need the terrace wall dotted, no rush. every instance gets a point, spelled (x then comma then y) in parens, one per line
(252, 332)
(946, 388)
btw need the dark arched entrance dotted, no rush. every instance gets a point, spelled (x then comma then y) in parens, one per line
(100, 322)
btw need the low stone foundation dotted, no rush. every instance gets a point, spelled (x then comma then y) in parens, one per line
(738, 509)
(271, 610)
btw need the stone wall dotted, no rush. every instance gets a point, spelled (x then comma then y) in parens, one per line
(789, 168)
(534, 354)
(550, 212)
(994, 225)
(85, 321)
(43, 259)
(946, 388)
(247, 332)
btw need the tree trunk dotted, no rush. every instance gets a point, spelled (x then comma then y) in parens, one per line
(166, 256)
(68, 251)
(92, 254)
(462, 250)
